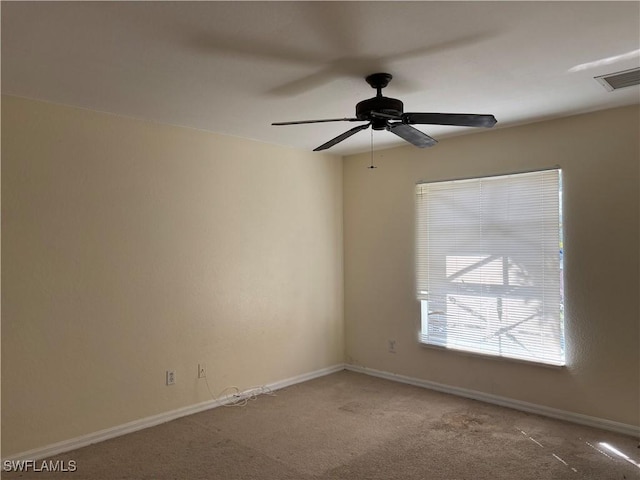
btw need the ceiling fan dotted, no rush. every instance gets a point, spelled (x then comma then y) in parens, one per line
(384, 113)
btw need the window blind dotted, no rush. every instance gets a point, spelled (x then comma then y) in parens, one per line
(489, 265)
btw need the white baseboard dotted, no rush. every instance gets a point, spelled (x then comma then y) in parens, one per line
(106, 434)
(505, 402)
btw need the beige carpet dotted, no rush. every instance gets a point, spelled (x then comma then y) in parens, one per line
(352, 426)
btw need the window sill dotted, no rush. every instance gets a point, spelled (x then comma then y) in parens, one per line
(494, 358)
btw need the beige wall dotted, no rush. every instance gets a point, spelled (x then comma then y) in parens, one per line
(130, 248)
(599, 155)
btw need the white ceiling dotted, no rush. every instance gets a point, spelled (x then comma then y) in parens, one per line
(235, 67)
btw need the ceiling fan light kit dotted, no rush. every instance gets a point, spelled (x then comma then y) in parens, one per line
(385, 113)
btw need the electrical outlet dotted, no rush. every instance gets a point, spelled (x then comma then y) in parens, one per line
(202, 370)
(171, 377)
(392, 346)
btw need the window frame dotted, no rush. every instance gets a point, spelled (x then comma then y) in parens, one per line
(556, 322)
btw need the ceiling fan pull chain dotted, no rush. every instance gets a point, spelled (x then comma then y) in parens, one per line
(372, 165)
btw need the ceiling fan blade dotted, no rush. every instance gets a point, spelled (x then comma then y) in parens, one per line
(458, 119)
(318, 121)
(412, 135)
(341, 137)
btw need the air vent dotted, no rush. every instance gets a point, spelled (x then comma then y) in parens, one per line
(615, 81)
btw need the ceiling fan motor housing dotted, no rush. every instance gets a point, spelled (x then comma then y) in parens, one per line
(385, 105)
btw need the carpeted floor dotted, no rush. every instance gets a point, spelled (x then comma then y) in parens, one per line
(351, 426)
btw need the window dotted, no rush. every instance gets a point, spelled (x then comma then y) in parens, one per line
(489, 265)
